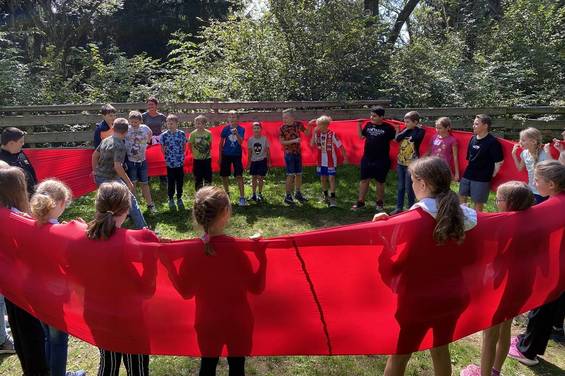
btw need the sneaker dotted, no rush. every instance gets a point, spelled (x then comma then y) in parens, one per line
(358, 205)
(514, 353)
(180, 204)
(398, 211)
(242, 201)
(7, 347)
(152, 209)
(471, 370)
(253, 198)
(260, 198)
(172, 204)
(379, 208)
(76, 373)
(298, 196)
(288, 200)
(332, 202)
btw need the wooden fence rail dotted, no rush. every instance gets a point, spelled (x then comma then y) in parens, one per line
(72, 125)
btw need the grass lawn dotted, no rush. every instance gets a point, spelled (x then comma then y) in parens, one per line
(274, 218)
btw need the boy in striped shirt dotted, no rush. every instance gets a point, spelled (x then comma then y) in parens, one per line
(327, 143)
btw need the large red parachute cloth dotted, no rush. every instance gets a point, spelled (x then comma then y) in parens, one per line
(73, 166)
(370, 288)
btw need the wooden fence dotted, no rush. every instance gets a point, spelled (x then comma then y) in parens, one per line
(73, 125)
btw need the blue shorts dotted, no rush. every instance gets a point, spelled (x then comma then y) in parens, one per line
(325, 171)
(137, 172)
(477, 190)
(293, 164)
(259, 168)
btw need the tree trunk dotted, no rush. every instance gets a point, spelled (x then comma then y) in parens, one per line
(400, 20)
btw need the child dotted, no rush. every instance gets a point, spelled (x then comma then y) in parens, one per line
(546, 321)
(326, 142)
(200, 143)
(375, 163)
(409, 150)
(231, 154)
(444, 145)
(510, 196)
(27, 331)
(290, 139)
(258, 161)
(49, 201)
(11, 152)
(484, 154)
(156, 122)
(107, 165)
(558, 145)
(531, 142)
(233, 326)
(104, 128)
(173, 146)
(431, 180)
(138, 136)
(112, 206)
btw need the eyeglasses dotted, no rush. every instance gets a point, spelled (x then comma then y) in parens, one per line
(499, 200)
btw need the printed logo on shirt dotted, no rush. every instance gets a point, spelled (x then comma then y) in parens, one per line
(257, 148)
(477, 147)
(375, 131)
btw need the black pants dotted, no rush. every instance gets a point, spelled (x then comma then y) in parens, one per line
(236, 365)
(136, 365)
(202, 170)
(175, 179)
(29, 341)
(540, 323)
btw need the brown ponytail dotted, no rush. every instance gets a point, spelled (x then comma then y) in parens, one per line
(112, 199)
(209, 203)
(436, 174)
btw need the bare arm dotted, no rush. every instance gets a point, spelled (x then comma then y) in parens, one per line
(95, 158)
(360, 129)
(455, 150)
(342, 149)
(122, 174)
(497, 167)
(519, 163)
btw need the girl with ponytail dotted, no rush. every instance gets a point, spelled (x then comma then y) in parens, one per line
(431, 181)
(112, 207)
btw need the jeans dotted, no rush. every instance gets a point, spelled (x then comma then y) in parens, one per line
(3, 336)
(56, 346)
(404, 187)
(175, 180)
(134, 212)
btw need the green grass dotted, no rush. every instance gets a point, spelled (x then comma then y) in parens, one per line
(273, 218)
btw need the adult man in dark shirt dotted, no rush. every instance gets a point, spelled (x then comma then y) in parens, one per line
(485, 157)
(375, 163)
(11, 153)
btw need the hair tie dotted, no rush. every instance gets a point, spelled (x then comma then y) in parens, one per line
(205, 238)
(109, 212)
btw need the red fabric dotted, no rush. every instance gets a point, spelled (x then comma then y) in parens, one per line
(73, 166)
(369, 288)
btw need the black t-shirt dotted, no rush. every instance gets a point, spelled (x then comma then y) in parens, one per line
(482, 155)
(377, 141)
(20, 160)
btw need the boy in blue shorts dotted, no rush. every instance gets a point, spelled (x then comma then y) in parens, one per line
(290, 139)
(231, 153)
(327, 143)
(137, 138)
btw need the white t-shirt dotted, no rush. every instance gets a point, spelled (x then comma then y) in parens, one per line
(258, 148)
(430, 206)
(530, 164)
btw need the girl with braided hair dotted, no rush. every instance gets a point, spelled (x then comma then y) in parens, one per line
(223, 316)
(533, 152)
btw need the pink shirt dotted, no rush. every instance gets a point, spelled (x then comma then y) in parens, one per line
(443, 148)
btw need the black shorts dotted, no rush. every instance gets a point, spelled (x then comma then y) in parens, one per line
(227, 162)
(377, 169)
(259, 168)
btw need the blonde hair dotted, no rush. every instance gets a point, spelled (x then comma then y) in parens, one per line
(135, 115)
(173, 117)
(201, 118)
(324, 120)
(436, 174)
(552, 171)
(517, 194)
(444, 122)
(13, 189)
(47, 195)
(3, 164)
(112, 199)
(534, 134)
(209, 203)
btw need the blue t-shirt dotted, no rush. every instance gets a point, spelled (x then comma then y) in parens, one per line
(231, 146)
(174, 147)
